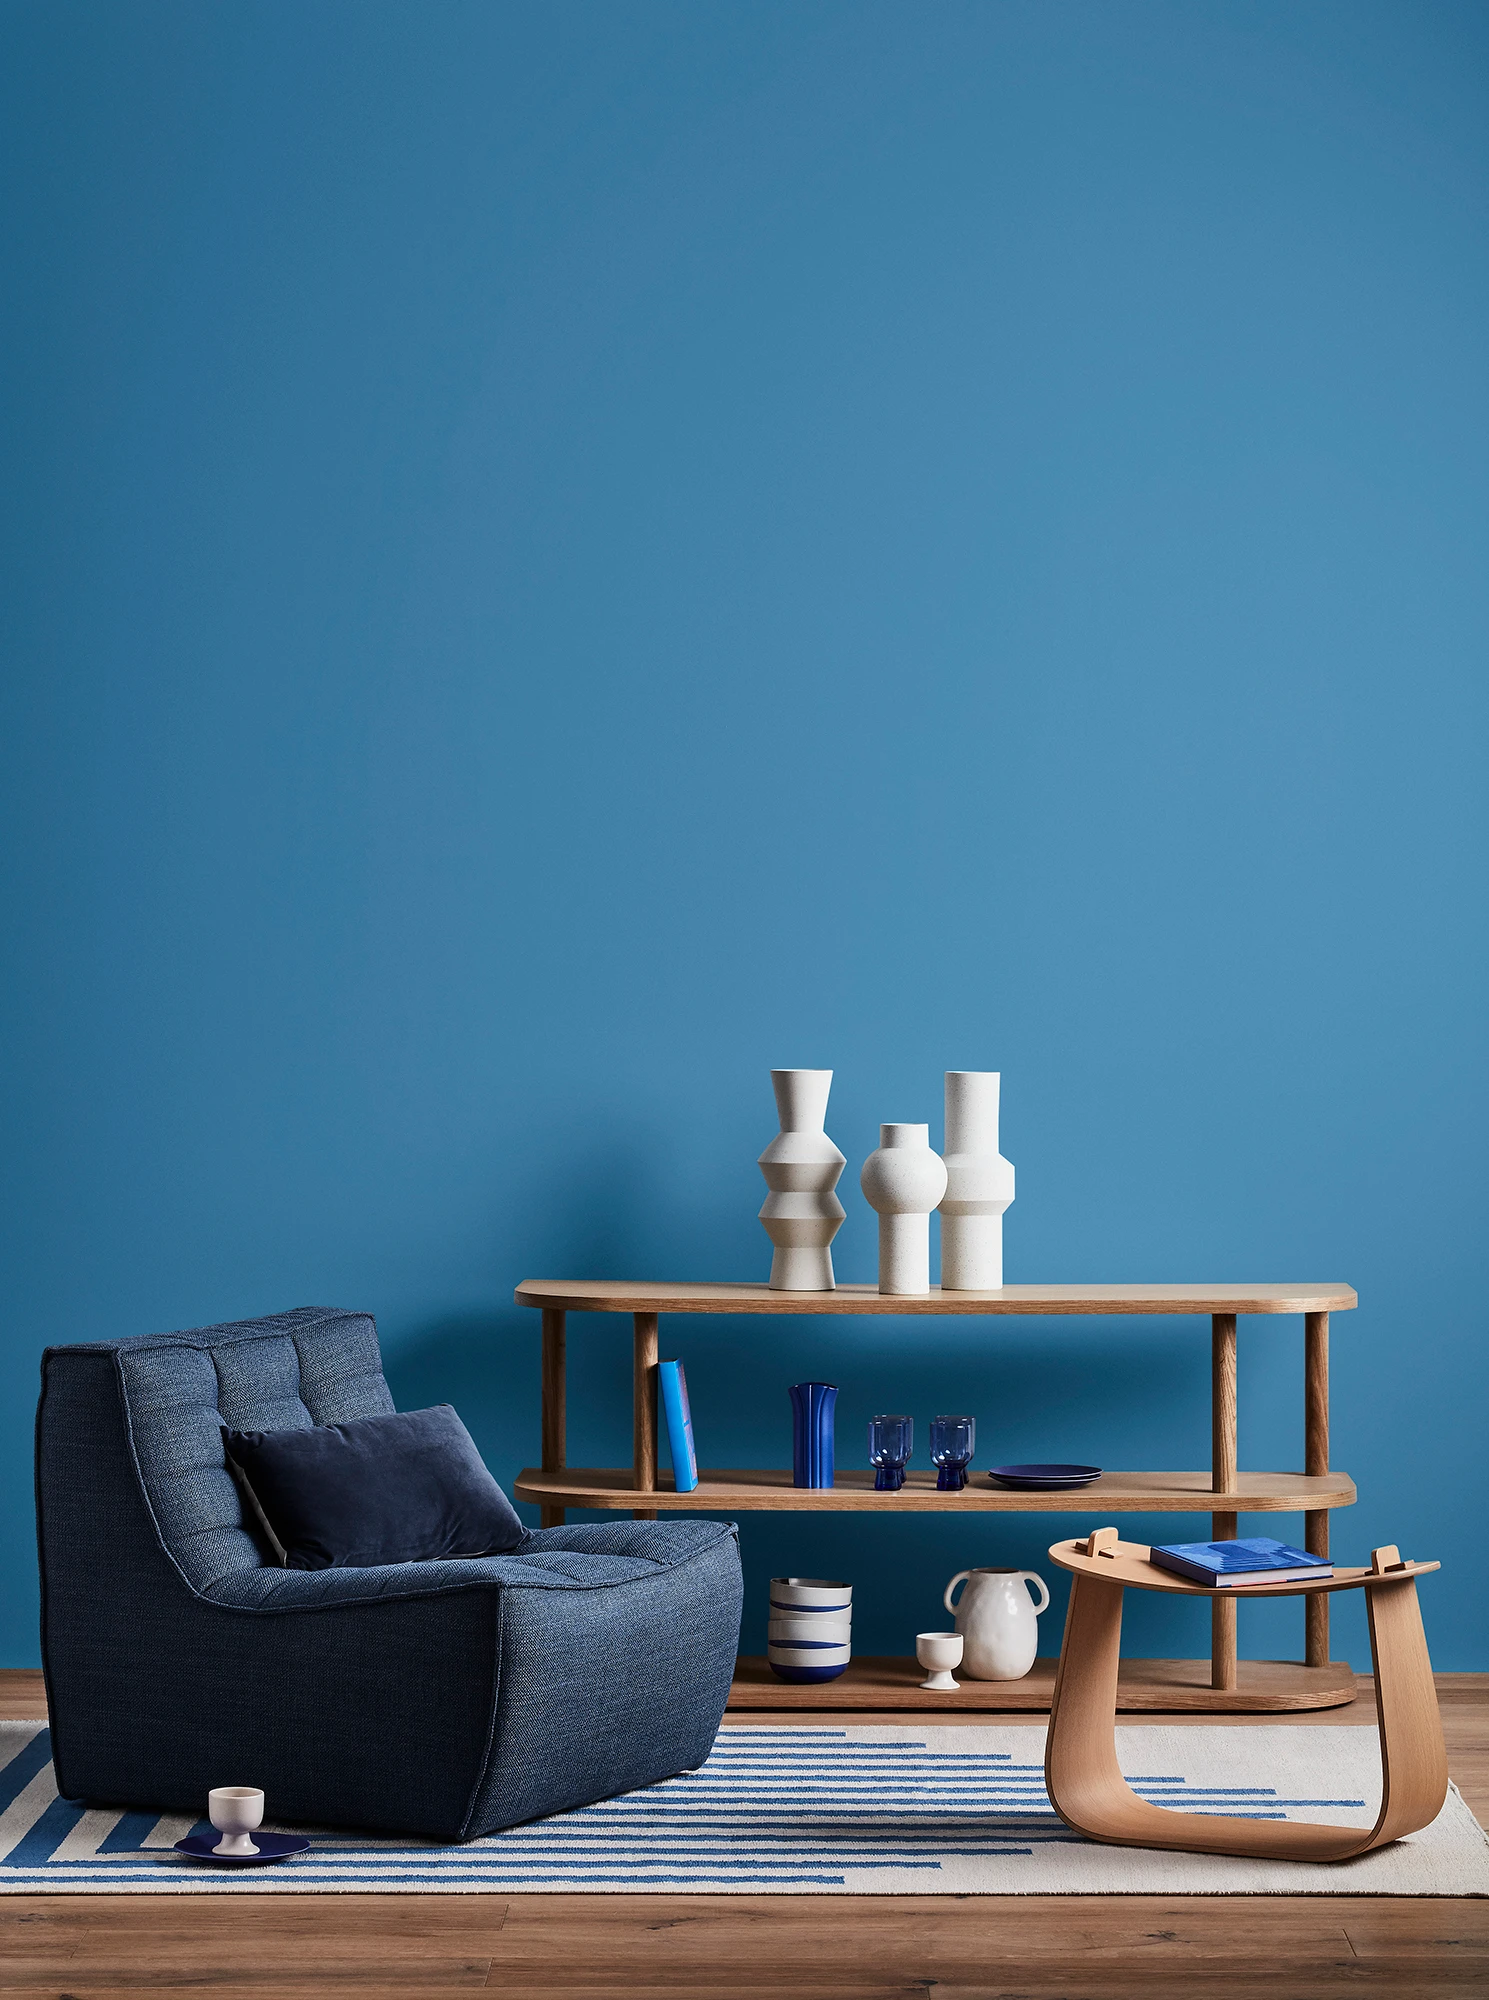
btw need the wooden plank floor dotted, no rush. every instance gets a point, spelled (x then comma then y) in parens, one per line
(737, 1947)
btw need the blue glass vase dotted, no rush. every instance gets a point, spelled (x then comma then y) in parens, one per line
(812, 1408)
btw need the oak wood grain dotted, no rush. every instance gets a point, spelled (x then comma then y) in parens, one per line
(754, 1488)
(1224, 1523)
(1084, 1778)
(646, 1947)
(736, 1947)
(555, 1405)
(1130, 1563)
(1316, 1459)
(616, 1296)
(644, 1411)
(890, 1684)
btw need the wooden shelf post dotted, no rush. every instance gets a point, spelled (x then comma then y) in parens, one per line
(1316, 1459)
(644, 1412)
(555, 1416)
(1223, 1470)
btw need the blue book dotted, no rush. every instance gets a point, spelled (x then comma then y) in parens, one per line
(1229, 1565)
(674, 1387)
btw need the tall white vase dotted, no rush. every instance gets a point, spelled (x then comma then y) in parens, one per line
(801, 1167)
(904, 1180)
(979, 1184)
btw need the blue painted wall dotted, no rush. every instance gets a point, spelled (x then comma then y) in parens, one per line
(563, 555)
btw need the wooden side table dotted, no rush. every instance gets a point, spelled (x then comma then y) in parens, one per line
(1085, 1782)
(1223, 1491)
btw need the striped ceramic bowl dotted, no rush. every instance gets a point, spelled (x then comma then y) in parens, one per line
(808, 1663)
(810, 1631)
(809, 1593)
(826, 1629)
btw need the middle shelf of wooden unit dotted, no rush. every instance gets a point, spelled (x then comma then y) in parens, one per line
(750, 1489)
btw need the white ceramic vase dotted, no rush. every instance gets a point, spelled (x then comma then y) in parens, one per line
(979, 1184)
(801, 1167)
(998, 1623)
(903, 1181)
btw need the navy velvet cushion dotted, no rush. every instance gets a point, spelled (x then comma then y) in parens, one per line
(409, 1487)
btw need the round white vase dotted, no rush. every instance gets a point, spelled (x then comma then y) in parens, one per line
(801, 1165)
(998, 1623)
(903, 1181)
(979, 1184)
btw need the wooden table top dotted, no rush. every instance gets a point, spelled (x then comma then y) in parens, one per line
(1129, 1563)
(608, 1295)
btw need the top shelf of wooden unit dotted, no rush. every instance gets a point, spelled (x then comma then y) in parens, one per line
(610, 1296)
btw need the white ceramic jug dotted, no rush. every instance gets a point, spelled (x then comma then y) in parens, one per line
(998, 1623)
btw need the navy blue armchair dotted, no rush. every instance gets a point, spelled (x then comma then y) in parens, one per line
(445, 1698)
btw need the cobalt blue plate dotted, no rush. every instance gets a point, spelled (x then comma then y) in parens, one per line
(1044, 1478)
(271, 1847)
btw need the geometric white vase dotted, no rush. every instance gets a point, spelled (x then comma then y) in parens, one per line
(801, 1167)
(979, 1184)
(904, 1180)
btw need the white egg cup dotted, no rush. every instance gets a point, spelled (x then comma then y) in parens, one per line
(236, 1811)
(939, 1651)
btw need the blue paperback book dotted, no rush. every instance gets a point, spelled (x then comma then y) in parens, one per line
(674, 1387)
(1228, 1565)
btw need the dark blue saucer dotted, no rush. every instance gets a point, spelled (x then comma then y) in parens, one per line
(271, 1847)
(1044, 1478)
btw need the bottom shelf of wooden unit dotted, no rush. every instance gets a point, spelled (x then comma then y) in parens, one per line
(1165, 1685)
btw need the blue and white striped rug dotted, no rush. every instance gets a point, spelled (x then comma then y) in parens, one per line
(948, 1809)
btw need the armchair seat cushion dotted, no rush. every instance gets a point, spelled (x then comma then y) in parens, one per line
(607, 1553)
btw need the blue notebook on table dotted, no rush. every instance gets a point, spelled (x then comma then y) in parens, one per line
(674, 1387)
(1229, 1565)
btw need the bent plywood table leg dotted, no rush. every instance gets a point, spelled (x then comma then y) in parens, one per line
(1085, 1781)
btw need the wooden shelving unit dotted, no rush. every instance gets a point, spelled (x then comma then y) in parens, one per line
(1224, 1492)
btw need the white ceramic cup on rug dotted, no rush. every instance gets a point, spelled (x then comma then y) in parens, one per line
(236, 1811)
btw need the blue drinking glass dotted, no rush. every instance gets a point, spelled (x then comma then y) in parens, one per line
(953, 1441)
(891, 1441)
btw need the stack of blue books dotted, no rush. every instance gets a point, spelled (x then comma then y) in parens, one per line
(1230, 1565)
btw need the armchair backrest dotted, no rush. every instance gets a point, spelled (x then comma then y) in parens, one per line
(173, 1393)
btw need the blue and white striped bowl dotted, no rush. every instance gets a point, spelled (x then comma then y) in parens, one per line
(809, 1631)
(810, 1656)
(808, 1663)
(809, 1593)
(809, 1637)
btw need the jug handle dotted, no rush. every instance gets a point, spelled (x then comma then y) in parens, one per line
(962, 1576)
(1028, 1576)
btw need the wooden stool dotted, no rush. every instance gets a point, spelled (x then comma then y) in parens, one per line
(1087, 1788)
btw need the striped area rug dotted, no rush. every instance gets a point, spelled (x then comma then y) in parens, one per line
(859, 1811)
